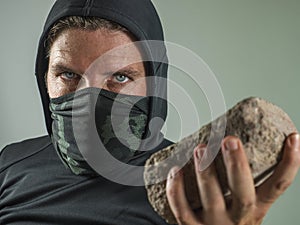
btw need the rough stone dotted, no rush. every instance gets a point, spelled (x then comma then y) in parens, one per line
(262, 128)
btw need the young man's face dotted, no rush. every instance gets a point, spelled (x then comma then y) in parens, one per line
(74, 63)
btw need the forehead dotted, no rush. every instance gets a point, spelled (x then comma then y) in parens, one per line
(83, 47)
(100, 40)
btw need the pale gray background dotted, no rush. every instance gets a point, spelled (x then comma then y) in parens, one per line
(252, 47)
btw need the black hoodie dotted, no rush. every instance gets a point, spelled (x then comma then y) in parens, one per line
(35, 186)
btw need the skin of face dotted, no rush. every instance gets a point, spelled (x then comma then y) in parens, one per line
(102, 58)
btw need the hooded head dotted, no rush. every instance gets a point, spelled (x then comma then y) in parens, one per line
(141, 20)
(139, 17)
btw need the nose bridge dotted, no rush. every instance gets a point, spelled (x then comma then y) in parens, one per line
(96, 71)
(93, 79)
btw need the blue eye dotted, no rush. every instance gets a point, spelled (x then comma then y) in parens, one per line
(121, 78)
(69, 75)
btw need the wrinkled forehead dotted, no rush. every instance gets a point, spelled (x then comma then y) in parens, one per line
(100, 47)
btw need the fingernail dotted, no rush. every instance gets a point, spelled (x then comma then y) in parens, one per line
(200, 150)
(231, 144)
(295, 141)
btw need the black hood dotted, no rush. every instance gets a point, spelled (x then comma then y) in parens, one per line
(138, 16)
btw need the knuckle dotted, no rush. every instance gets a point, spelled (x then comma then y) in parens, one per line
(214, 208)
(242, 212)
(281, 186)
(246, 204)
(236, 165)
(182, 217)
(207, 174)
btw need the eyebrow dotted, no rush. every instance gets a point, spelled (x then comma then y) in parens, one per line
(127, 71)
(61, 68)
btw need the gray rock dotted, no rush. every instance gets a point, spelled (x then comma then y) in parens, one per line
(262, 128)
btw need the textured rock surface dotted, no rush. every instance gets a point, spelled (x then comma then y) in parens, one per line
(262, 128)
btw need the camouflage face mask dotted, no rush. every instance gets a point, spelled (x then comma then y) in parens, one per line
(94, 119)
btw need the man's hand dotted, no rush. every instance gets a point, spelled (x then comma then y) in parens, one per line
(249, 204)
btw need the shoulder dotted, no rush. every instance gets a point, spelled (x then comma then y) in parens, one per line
(17, 151)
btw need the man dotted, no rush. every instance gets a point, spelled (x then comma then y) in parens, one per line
(50, 180)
